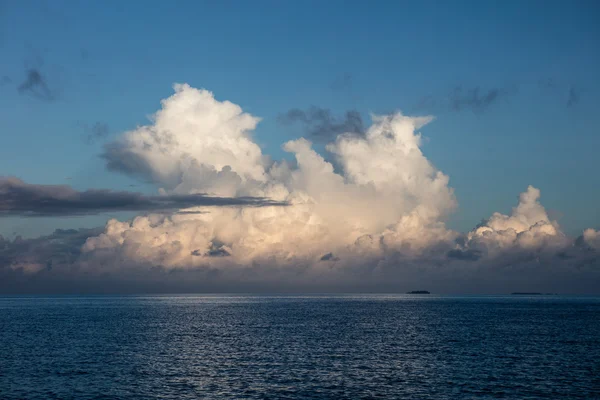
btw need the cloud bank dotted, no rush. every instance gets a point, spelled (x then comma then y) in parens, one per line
(377, 224)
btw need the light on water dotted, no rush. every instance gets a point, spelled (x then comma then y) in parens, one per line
(305, 347)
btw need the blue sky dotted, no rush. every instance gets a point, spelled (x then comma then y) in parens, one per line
(112, 62)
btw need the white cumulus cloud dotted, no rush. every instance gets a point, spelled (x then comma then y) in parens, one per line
(378, 220)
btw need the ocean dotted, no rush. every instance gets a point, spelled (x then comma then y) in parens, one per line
(300, 347)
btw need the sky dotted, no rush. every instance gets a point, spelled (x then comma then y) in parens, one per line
(429, 121)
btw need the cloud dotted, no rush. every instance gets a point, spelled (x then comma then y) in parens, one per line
(376, 223)
(35, 85)
(527, 228)
(94, 132)
(194, 142)
(329, 257)
(342, 83)
(548, 83)
(218, 250)
(557, 88)
(31, 256)
(573, 97)
(592, 238)
(466, 255)
(320, 124)
(23, 199)
(477, 99)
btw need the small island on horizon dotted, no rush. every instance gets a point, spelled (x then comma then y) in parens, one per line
(418, 292)
(531, 293)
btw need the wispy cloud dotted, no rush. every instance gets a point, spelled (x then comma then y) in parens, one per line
(23, 199)
(461, 98)
(342, 83)
(36, 86)
(477, 99)
(322, 124)
(573, 97)
(569, 93)
(97, 131)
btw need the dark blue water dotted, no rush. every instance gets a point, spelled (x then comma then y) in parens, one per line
(300, 347)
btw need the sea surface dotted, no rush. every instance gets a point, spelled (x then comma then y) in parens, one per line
(300, 347)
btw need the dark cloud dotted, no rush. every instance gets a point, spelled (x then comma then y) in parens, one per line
(329, 257)
(547, 83)
(94, 132)
(62, 247)
(573, 97)
(121, 158)
(477, 99)
(186, 212)
(558, 89)
(342, 83)
(465, 255)
(321, 124)
(36, 86)
(56, 264)
(217, 249)
(23, 199)
(217, 252)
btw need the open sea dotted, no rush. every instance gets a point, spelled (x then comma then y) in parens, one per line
(300, 347)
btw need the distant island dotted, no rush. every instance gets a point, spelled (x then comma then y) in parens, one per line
(526, 293)
(418, 292)
(531, 294)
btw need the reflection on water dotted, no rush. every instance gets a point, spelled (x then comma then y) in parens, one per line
(299, 347)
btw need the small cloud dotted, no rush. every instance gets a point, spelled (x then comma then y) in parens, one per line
(464, 255)
(94, 132)
(36, 86)
(185, 212)
(547, 83)
(321, 124)
(573, 97)
(216, 250)
(477, 99)
(329, 257)
(220, 252)
(342, 83)
(556, 88)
